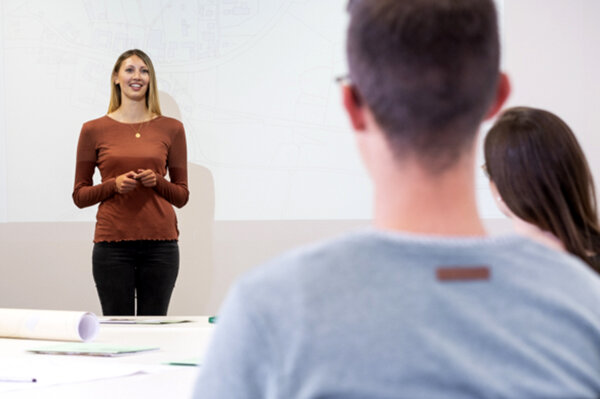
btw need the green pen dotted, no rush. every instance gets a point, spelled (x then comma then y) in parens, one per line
(212, 319)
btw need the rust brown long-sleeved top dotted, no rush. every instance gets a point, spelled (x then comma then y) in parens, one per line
(144, 213)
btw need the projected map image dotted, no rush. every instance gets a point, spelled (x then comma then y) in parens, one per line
(252, 81)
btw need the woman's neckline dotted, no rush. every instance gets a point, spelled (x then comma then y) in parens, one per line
(133, 123)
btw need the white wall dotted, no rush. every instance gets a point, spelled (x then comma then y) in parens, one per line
(551, 55)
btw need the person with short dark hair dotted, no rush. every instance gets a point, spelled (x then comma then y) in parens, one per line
(424, 304)
(540, 178)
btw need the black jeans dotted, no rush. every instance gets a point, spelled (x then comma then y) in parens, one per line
(126, 268)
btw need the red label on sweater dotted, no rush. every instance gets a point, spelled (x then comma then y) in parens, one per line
(463, 273)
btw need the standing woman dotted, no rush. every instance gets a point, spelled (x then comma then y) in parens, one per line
(540, 178)
(133, 146)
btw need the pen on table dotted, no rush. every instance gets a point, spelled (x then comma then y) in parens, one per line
(212, 319)
(17, 379)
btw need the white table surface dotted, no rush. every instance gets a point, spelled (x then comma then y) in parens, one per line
(177, 342)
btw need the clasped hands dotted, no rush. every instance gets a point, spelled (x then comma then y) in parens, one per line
(129, 181)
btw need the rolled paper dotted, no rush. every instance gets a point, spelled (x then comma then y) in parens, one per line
(60, 325)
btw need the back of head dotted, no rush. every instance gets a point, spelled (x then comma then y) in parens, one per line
(427, 69)
(540, 170)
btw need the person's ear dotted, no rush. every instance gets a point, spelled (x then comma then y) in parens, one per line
(502, 93)
(353, 107)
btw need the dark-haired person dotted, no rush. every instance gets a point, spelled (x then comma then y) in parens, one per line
(541, 179)
(424, 304)
(136, 255)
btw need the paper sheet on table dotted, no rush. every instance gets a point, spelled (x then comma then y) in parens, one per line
(91, 349)
(48, 324)
(49, 371)
(141, 320)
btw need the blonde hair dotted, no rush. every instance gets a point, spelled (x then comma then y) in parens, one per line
(151, 94)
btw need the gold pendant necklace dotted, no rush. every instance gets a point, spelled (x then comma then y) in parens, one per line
(138, 131)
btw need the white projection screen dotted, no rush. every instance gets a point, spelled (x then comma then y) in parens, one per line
(252, 81)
